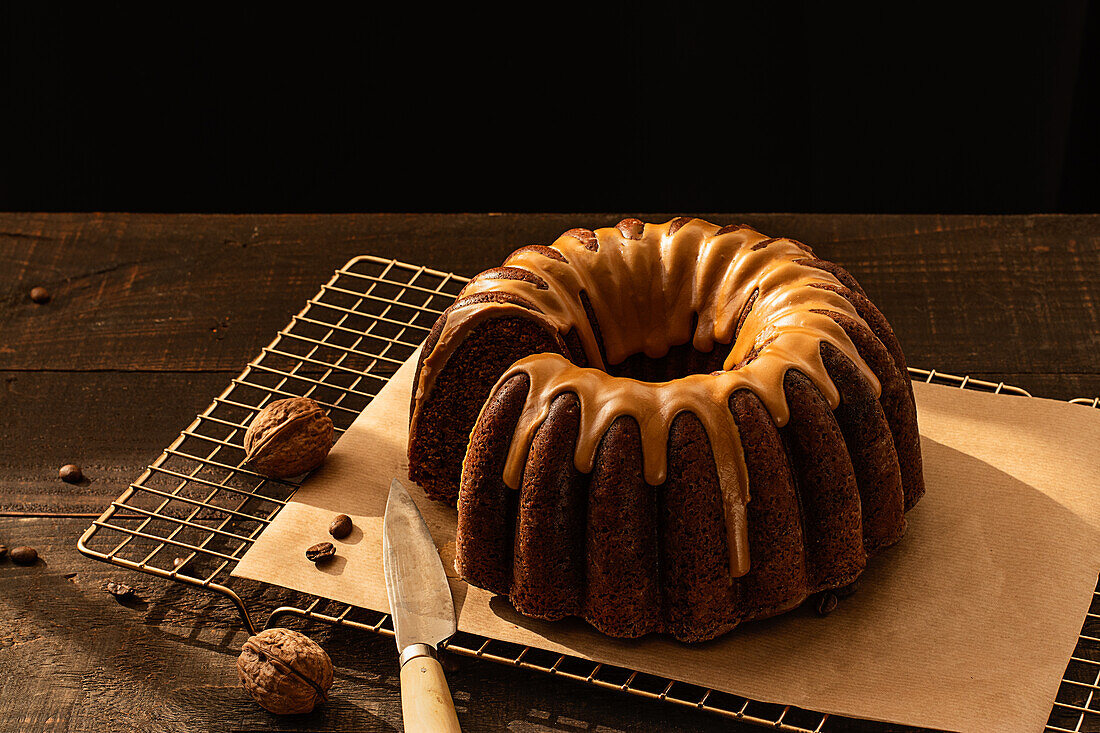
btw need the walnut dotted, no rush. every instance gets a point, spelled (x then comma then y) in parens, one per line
(288, 437)
(284, 671)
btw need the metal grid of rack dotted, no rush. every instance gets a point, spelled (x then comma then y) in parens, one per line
(192, 514)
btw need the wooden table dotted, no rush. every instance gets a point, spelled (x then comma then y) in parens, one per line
(151, 316)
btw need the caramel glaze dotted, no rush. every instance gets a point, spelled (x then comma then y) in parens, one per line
(646, 285)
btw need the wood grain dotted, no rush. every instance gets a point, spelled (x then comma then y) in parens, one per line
(76, 659)
(110, 423)
(152, 314)
(1015, 295)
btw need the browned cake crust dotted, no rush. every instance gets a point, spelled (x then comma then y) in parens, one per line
(437, 445)
(548, 570)
(829, 488)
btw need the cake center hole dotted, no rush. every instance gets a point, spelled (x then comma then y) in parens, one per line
(679, 362)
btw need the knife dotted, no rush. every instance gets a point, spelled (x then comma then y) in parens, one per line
(423, 613)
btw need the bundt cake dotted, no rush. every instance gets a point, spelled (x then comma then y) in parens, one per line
(665, 427)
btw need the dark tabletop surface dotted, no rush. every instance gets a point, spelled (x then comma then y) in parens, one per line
(151, 315)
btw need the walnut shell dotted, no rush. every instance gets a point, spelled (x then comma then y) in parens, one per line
(288, 437)
(285, 672)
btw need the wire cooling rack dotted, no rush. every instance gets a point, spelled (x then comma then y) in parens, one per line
(195, 510)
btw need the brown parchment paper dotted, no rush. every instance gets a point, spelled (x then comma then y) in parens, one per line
(967, 624)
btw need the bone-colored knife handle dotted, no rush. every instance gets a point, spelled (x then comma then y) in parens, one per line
(426, 704)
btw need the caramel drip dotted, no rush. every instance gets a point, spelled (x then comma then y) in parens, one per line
(654, 405)
(644, 294)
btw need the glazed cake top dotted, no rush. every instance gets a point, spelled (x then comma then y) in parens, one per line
(650, 287)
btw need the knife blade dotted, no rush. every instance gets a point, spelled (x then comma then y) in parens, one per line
(423, 613)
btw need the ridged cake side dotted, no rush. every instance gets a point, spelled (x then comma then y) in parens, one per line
(829, 484)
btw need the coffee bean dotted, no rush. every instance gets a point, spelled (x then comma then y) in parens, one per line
(825, 603)
(321, 552)
(40, 295)
(120, 591)
(70, 473)
(340, 527)
(23, 555)
(3, 551)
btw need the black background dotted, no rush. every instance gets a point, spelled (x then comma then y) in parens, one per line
(757, 107)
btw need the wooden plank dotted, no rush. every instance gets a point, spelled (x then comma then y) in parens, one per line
(110, 423)
(1006, 295)
(114, 424)
(74, 658)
